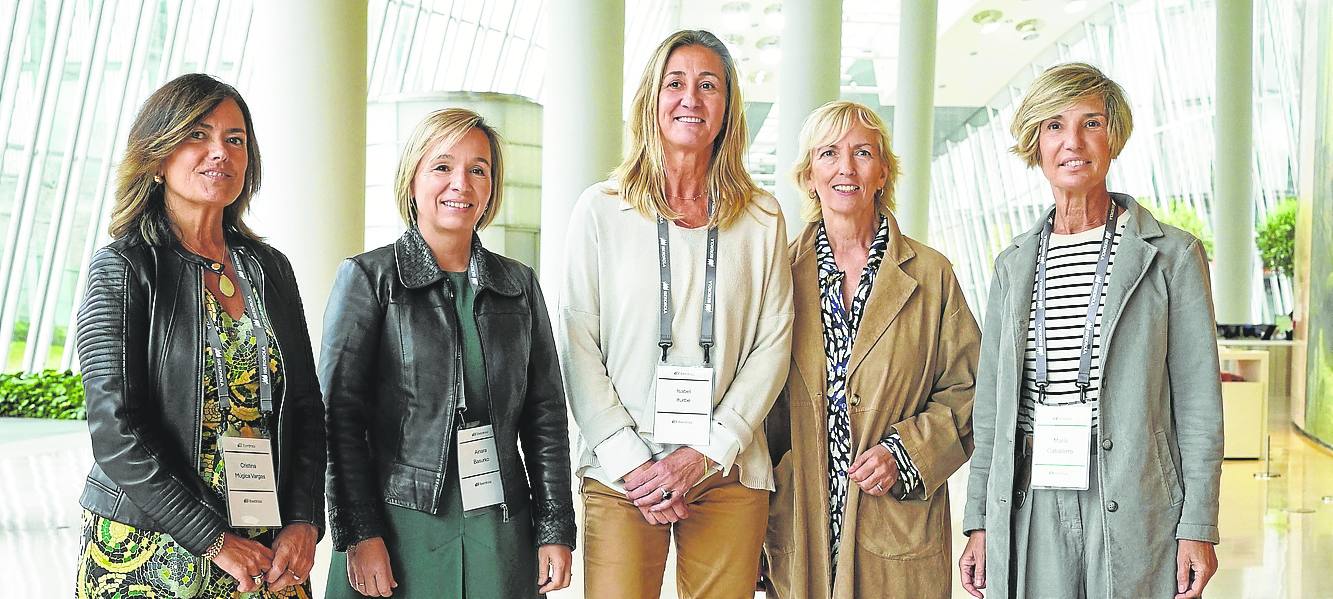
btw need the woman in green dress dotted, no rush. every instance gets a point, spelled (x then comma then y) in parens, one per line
(437, 361)
(192, 340)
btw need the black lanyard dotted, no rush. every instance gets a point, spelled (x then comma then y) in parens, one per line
(214, 342)
(664, 339)
(1098, 282)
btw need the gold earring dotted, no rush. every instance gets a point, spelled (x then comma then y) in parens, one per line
(813, 195)
(157, 179)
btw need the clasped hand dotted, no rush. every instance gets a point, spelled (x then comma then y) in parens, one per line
(253, 565)
(658, 488)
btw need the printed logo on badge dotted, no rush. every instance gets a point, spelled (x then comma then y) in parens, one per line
(252, 487)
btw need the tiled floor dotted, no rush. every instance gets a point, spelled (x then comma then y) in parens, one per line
(1277, 535)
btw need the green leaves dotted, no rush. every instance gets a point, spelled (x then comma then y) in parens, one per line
(1276, 238)
(45, 394)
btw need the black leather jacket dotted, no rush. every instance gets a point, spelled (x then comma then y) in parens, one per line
(390, 382)
(140, 340)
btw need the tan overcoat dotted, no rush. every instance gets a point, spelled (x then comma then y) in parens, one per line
(912, 370)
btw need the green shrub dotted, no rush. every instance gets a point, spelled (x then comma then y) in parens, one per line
(1276, 238)
(1179, 215)
(45, 394)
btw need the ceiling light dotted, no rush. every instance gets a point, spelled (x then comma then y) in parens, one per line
(987, 16)
(1029, 26)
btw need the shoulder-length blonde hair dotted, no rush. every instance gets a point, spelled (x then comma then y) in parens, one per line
(447, 126)
(641, 178)
(827, 124)
(163, 123)
(1057, 89)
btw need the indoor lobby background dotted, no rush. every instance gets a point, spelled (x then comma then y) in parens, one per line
(1233, 107)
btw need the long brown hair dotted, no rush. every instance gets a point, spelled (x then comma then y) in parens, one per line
(642, 176)
(163, 123)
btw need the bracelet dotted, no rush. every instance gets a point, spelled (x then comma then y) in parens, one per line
(215, 548)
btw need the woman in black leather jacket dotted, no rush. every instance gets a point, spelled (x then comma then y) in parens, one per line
(183, 283)
(438, 357)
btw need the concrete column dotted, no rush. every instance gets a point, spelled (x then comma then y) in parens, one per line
(581, 118)
(1233, 189)
(808, 78)
(914, 115)
(308, 99)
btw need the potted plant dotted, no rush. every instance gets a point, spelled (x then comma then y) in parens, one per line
(1276, 238)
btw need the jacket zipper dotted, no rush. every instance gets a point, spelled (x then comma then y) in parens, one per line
(462, 390)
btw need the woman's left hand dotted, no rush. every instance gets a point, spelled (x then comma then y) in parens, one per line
(672, 476)
(874, 470)
(555, 565)
(293, 556)
(1196, 562)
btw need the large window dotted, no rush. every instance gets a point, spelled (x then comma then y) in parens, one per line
(982, 196)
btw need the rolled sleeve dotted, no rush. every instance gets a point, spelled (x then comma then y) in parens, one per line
(621, 453)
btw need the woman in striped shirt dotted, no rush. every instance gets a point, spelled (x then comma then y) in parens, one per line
(1097, 422)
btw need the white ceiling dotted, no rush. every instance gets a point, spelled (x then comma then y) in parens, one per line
(973, 63)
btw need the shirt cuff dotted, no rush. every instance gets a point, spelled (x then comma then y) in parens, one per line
(722, 447)
(621, 453)
(907, 472)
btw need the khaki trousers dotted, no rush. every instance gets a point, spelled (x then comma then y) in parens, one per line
(717, 546)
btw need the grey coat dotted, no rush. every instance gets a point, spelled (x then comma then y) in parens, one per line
(1160, 412)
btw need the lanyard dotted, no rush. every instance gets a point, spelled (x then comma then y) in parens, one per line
(214, 342)
(664, 339)
(459, 390)
(1089, 324)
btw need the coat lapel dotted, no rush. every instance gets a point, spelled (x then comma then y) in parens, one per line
(808, 336)
(1133, 256)
(888, 295)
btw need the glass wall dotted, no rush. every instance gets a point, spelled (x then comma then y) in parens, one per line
(72, 78)
(1318, 412)
(1160, 52)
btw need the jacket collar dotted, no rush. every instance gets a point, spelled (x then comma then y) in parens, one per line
(893, 288)
(1133, 256)
(417, 267)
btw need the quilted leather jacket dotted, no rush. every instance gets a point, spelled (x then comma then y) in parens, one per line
(391, 379)
(140, 342)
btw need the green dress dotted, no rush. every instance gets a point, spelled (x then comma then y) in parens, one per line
(450, 554)
(121, 561)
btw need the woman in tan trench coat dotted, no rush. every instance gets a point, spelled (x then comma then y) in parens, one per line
(877, 409)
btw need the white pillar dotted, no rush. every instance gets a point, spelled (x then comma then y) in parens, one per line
(1233, 189)
(581, 116)
(809, 77)
(914, 115)
(308, 99)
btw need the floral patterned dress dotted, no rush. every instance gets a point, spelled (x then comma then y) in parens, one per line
(120, 561)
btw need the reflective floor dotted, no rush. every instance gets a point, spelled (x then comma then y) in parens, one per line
(1277, 534)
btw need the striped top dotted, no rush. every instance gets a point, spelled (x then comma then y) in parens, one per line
(1071, 266)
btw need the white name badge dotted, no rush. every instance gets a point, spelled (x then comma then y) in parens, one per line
(479, 468)
(1060, 446)
(684, 405)
(252, 488)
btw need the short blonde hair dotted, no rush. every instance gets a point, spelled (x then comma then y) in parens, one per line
(642, 175)
(1056, 90)
(827, 124)
(447, 126)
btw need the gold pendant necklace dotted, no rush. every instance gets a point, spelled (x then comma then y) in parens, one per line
(225, 285)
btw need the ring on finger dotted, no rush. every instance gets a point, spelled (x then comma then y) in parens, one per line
(879, 488)
(258, 578)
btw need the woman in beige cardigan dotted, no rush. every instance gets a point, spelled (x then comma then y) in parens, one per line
(878, 403)
(676, 288)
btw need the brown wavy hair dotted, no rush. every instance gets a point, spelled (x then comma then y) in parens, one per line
(163, 123)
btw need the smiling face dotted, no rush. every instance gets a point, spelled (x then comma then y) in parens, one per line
(848, 172)
(452, 185)
(1074, 148)
(209, 166)
(692, 101)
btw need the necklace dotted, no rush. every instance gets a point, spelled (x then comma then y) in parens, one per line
(687, 198)
(225, 284)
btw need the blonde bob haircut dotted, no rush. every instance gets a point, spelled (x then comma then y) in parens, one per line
(446, 127)
(1055, 91)
(826, 125)
(642, 176)
(164, 122)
